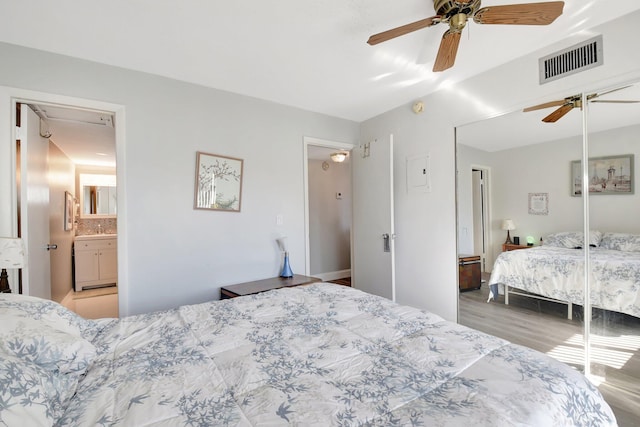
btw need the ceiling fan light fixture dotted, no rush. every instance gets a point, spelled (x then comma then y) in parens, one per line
(339, 156)
(458, 22)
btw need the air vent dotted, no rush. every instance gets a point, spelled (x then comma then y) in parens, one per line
(572, 60)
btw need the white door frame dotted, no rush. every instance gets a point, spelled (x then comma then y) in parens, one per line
(305, 172)
(487, 256)
(9, 97)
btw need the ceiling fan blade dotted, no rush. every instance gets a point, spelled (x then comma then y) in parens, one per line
(545, 105)
(559, 113)
(596, 95)
(401, 31)
(520, 14)
(613, 101)
(447, 51)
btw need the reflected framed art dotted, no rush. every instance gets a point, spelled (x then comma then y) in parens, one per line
(607, 175)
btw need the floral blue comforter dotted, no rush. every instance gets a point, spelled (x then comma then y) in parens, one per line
(558, 273)
(320, 355)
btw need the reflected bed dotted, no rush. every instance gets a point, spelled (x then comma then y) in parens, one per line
(556, 271)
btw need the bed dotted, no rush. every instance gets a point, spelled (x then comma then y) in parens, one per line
(555, 271)
(316, 355)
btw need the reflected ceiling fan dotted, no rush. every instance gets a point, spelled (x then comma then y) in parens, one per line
(457, 12)
(575, 101)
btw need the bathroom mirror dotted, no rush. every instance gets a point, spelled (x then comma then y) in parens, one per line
(97, 196)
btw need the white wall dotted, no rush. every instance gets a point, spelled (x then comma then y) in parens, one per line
(616, 213)
(175, 254)
(425, 225)
(329, 217)
(541, 168)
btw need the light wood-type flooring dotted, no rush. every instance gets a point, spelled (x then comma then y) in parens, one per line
(543, 326)
(95, 303)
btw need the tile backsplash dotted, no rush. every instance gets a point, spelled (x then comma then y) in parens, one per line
(90, 226)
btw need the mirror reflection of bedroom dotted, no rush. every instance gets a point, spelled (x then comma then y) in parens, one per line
(521, 223)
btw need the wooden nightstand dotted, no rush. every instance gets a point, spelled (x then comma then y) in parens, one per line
(257, 286)
(512, 247)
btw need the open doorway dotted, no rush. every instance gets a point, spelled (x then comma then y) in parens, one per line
(480, 208)
(328, 210)
(68, 142)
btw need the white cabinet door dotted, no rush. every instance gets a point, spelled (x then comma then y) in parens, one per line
(109, 265)
(87, 267)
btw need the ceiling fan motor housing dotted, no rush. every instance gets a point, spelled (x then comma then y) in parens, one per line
(448, 8)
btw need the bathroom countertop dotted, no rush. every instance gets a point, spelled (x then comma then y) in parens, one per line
(95, 236)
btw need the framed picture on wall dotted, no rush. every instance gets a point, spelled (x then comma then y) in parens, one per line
(218, 182)
(607, 175)
(68, 211)
(539, 203)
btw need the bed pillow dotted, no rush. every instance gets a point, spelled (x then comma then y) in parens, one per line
(31, 395)
(45, 333)
(573, 239)
(621, 242)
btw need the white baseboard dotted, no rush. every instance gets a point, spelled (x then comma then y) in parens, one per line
(333, 275)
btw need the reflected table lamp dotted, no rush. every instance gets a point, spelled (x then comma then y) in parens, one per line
(11, 256)
(508, 225)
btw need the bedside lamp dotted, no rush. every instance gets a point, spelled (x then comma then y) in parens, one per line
(11, 256)
(508, 225)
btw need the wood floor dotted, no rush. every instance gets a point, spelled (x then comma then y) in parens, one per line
(346, 281)
(94, 303)
(543, 326)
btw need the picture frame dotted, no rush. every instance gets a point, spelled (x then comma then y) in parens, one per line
(607, 175)
(218, 184)
(539, 203)
(68, 211)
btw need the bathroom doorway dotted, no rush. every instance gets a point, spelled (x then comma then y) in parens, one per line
(75, 139)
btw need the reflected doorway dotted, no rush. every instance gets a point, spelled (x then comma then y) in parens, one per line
(480, 194)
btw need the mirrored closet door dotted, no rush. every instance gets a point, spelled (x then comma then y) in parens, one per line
(613, 204)
(567, 267)
(524, 167)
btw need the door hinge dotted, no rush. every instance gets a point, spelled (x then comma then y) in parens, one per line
(19, 134)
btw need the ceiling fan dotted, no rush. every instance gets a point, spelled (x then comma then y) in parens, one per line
(457, 12)
(569, 103)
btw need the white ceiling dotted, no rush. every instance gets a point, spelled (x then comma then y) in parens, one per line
(86, 137)
(308, 54)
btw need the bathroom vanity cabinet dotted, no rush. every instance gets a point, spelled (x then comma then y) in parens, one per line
(95, 261)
